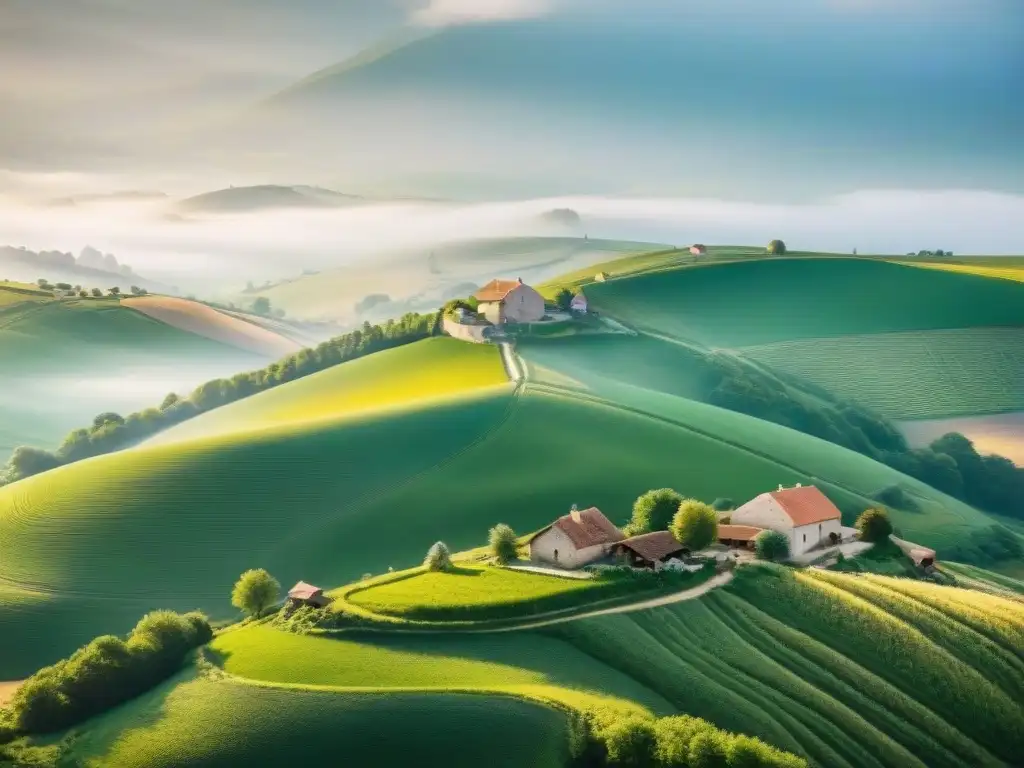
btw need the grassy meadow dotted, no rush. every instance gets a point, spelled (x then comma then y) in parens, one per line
(221, 724)
(770, 300)
(1004, 269)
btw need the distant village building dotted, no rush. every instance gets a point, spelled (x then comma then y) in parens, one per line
(804, 514)
(739, 536)
(600, 277)
(579, 303)
(576, 539)
(510, 301)
(307, 594)
(699, 250)
(649, 550)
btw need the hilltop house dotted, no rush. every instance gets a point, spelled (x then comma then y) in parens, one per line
(307, 594)
(510, 301)
(649, 550)
(699, 250)
(576, 539)
(803, 513)
(579, 303)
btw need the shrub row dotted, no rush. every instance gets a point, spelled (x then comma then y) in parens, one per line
(111, 432)
(679, 741)
(107, 672)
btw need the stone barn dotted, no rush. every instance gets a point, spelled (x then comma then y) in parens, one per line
(510, 301)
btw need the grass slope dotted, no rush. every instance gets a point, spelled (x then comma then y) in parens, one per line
(217, 724)
(850, 671)
(1006, 269)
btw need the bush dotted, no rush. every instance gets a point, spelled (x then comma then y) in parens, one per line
(107, 672)
(654, 511)
(776, 247)
(630, 743)
(874, 525)
(695, 525)
(771, 545)
(502, 543)
(707, 750)
(438, 557)
(255, 591)
(723, 505)
(563, 299)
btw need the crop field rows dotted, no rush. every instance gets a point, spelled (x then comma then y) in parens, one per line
(990, 268)
(914, 375)
(818, 665)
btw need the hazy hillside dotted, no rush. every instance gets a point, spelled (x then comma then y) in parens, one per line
(242, 199)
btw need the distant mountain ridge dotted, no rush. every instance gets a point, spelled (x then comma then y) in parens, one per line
(241, 199)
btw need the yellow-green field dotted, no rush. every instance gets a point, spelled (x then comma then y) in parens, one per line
(430, 370)
(1015, 272)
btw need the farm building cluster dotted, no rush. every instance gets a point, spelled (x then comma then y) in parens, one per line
(803, 514)
(505, 303)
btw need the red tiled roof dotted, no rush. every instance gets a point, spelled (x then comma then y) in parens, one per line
(806, 505)
(496, 290)
(304, 591)
(592, 529)
(738, 532)
(653, 546)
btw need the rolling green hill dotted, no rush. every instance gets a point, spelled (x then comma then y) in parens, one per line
(910, 343)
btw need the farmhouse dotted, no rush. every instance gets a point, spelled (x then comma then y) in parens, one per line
(699, 250)
(740, 536)
(306, 594)
(579, 303)
(649, 550)
(510, 301)
(576, 539)
(803, 513)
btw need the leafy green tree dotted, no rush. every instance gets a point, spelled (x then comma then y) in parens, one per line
(261, 306)
(874, 525)
(438, 557)
(502, 543)
(654, 510)
(109, 417)
(563, 299)
(771, 545)
(723, 504)
(115, 291)
(97, 293)
(777, 247)
(255, 591)
(695, 525)
(631, 742)
(707, 750)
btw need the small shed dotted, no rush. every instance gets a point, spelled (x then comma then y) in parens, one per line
(307, 594)
(699, 250)
(922, 557)
(600, 277)
(579, 303)
(740, 536)
(650, 550)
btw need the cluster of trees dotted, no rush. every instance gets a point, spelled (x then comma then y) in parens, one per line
(925, 254)
(84, 293)
(679, 741)
(107, 672)
(693, 523)
(112, 432)
(950, 464)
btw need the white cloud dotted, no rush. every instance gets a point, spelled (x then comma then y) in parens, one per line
(440, 13)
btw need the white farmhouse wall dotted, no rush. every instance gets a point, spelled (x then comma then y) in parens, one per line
(544, 547)
(523, 305)
(806, 537)
(765, 512)
(492, 310)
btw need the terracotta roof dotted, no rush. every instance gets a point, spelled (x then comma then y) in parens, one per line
(806, 505)
(653, 546)
(738, 532)
(304, 591)
(496, 290)
(592, 529)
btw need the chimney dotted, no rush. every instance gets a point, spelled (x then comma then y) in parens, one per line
(781, 488)
(519, 280)
(574, 513)
(799, 486)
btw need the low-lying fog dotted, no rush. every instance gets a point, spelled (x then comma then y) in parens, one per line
(210, 253)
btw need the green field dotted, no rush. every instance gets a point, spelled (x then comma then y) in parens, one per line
(1005, 269)
(475, 593)
(911, 375)
(771, 300)
(222, 724)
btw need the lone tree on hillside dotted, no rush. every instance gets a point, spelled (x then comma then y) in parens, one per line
(261, 306)
(563, 299)
(695, 525)
(115, 291)
(255, 591)
(771, 545)
(97, 293)
(776, 247)
(654, 510)
(874, 525)
(502, 543)
(438, 557)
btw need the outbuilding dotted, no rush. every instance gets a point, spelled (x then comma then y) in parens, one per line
(699, 250)
(649, 550)
(803, 513)
(307, 594)
(739, 536)
(510, 301)
(579, 303)
(575, 540)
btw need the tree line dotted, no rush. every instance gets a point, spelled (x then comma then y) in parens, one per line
(950, 464)
(111, 432)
